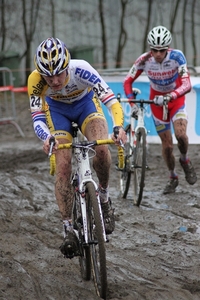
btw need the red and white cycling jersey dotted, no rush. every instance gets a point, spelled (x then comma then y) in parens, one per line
(170, 76)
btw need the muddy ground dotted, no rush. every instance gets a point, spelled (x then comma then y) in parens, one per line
(154, 253)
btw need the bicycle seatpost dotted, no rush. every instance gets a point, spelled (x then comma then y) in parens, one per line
(51, 143)
(75, 129)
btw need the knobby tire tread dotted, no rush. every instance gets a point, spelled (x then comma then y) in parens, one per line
(126, 173)
(140, 146)
(100, 283)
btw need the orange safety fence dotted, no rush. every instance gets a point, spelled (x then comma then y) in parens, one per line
(7, 108)
(13, 89)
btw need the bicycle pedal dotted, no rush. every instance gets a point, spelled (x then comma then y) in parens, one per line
(132, 169)
(93, 242)
(119, 169)
(70, 250)
(69, 253)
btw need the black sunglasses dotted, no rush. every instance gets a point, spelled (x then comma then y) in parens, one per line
(160, 50)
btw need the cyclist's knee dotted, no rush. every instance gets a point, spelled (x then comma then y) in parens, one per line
(102, 160)
(167, 150)
(96, 129)
(166, 138)
(63, 187)
(182, 139)
(102, 152)
(63, 164)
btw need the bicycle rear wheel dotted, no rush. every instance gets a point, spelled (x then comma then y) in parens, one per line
(139, 166)
(97, 243)
(84, 259)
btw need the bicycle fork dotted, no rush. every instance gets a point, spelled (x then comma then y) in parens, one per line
(85, 177)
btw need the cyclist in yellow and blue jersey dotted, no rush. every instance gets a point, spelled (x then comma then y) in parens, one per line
(61, 91)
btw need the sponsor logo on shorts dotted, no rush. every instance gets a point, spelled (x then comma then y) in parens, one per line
(180, 115)
(160, 127)
(60, 134)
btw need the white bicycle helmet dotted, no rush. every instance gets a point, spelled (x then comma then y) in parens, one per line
(52, 57)
(159, 37)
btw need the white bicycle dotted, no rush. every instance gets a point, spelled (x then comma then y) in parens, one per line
(135, 153)
(87, 212)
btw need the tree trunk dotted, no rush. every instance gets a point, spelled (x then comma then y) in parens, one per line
(103, 35)
(29, 30)
(193, 34)
(174, 15)
(3, 27)
(147, 25)
(122, 35)
(184, 26)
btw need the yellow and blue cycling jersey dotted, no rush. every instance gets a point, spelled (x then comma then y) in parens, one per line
(79, 100)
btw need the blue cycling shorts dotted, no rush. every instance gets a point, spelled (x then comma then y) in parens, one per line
(60, 115)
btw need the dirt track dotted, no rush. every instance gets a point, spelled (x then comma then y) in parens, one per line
(153, 253)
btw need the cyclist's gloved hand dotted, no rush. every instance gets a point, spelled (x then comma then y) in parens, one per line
(134, 111)
(119, 135)
(135, 92)
(160, 100)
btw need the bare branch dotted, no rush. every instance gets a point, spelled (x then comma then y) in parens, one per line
(103, 34)
(122, 36)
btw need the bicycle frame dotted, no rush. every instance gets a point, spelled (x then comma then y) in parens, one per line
(87, 212)
(141, 111)
(140, 122)
(82, 173)
(135, 154)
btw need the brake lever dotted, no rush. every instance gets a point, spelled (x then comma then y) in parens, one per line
(116, 132)
(52, 142)
(165, 110)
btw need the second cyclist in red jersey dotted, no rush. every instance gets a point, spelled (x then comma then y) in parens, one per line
(167, 71)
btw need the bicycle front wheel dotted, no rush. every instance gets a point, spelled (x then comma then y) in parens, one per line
(139, 166)
(125, 174)
(97, 243)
